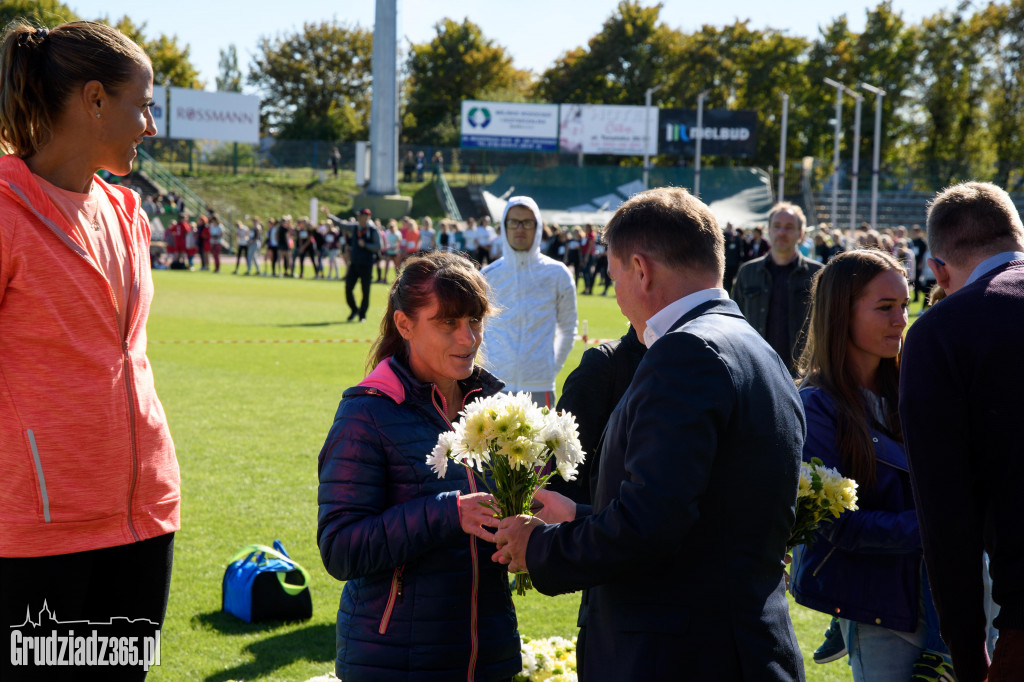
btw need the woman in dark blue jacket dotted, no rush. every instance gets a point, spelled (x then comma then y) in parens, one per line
(866, 567)
(422, 601)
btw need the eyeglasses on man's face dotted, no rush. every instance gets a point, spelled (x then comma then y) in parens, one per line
(513, 224)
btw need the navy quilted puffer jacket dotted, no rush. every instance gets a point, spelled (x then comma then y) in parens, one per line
(423, 600)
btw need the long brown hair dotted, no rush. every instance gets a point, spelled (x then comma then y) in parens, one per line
(824, 363)
(40, 69)
(460, 289)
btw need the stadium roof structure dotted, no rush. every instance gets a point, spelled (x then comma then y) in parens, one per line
(570, 195)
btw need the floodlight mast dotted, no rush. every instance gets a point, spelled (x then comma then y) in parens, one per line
(858, 98)
(700, 135)
(782, 147)
(879, 94)
(835, 152)
(647, 131)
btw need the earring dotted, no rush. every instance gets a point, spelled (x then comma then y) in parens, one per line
(97, 114)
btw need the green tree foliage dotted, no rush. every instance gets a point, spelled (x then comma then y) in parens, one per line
(770, 59)
(884, 56)
(1002, 30)
(172, 65)
(458, 63)
(315, 83)
(229, 78)
(47, 13)
(947, 97)
(634, 51)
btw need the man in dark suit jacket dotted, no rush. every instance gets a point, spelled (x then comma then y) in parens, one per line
(682, 552)
(960, 404)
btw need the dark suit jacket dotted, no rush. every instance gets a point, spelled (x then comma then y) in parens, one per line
(960, 405)
(683, 552)
(591, 392)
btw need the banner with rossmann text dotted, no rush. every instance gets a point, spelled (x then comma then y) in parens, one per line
(222, 116)
(607, 129)
(725, 132)
(509, 125)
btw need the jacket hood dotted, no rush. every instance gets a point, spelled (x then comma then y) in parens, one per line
(384, 379)
(506, 250)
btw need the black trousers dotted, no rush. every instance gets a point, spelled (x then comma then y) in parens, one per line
(363, 274)
(59, 602)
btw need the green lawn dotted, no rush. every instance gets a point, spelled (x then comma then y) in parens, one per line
(249, 409)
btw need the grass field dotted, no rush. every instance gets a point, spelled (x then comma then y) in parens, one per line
(250, 373)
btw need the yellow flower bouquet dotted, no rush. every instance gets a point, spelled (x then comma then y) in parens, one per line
(822, 492)
(507, 441)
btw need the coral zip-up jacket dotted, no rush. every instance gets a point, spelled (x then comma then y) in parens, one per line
(86, 458)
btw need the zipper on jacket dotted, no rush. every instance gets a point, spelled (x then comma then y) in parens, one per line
(73, 245)
(393, 596)
(130, 394)
(39, 475)
(814, 574)
(122, 336)
(474, 617)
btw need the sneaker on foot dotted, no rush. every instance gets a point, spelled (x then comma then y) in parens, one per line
(932, 667)
(833, 648)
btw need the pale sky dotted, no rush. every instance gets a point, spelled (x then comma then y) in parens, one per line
(535, 32)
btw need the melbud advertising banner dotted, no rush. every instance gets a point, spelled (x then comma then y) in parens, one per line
(724, 132)
(509, 125)
(222, 116)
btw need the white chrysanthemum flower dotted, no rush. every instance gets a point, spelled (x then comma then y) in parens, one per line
(521, 452)
(562, 436)
(438, 457)
(479, 430)
(566, 470)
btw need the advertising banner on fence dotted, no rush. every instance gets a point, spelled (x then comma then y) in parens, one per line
(223, 116)
(159, 110)
(725, 132)
(607, 129)
(510, 125)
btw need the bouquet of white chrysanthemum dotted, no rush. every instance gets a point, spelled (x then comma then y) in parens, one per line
(548, 660)
(512, 440)
(822, 491)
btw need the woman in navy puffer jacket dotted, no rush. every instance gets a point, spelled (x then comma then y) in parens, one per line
(422, 600)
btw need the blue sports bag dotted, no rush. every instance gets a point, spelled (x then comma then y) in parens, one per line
(263, 583)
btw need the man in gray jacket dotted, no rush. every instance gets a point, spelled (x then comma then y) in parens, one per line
(774, 291)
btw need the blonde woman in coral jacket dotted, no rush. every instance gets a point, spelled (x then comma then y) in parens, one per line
(89, 496)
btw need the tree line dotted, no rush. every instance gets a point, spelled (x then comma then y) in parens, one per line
(954, 104)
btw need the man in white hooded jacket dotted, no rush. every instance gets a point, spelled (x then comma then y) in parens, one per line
(528, 341)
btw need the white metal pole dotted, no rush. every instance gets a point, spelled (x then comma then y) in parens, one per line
(835, 153)
(858, 98)
(647, 132)
(700, 136)
(384, 120)
(879, 94)
(782, 148)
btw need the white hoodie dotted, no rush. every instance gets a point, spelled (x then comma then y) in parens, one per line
(530, 338)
